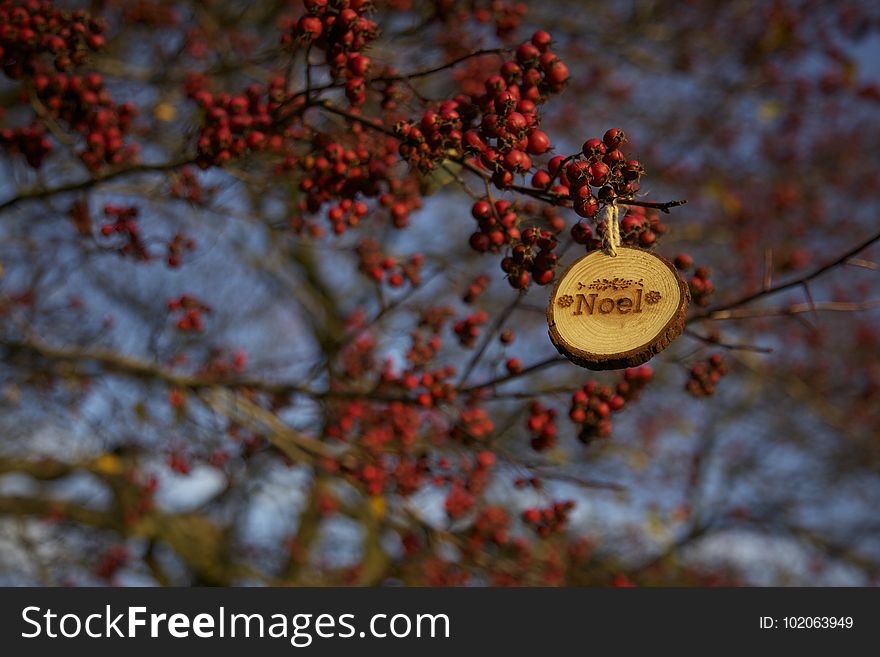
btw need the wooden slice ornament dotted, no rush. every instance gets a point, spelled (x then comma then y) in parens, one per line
(617, 309)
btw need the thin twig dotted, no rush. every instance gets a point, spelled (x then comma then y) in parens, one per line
(831, 306)
(111, 174)
(540, 365)
(727, 345)
(718, 311)
(490, 335)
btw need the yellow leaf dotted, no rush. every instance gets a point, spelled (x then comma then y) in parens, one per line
(108, 464)
(769, 110)
(165, 111)
(656, 526)
(377, 505)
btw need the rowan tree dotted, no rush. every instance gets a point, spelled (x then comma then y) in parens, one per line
(274, 278)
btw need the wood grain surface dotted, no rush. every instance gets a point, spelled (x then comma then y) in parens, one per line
(609, 312)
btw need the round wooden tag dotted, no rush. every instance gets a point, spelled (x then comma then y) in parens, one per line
(609, 312)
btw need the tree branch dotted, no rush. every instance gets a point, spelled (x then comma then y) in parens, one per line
(46, 192)
(718, 311)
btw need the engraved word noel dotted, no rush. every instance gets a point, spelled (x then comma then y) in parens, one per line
(590, 303)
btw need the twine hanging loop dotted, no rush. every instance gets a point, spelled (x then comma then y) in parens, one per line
(611, 217)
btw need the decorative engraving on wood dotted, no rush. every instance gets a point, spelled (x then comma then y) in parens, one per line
(613, 312)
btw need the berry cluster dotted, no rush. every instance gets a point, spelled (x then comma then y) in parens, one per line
(421, 352)
(542, 426)
(509, 131)
(599, 174)
(593, 405)
(144, 501)
(125, 224)
(458, 502)
(382, 268)
(223, 363)
(113, 559)
(32, 28)
(178, 462)
(474, 424)
(705, 376)
(191, 310)
(497, 223)
(468, 329)
(178, 244)
(490, 526)
(330, 172)
(532, 259)
(475, 289)
(375, 427)
(84, 103)
(236, 124)
(506, 16)
(499, 128)
(342, 29)
(154, 13)
(581, 233)
(435, 385)
(549, 520)
(465, 486)
(30, 141)
(186, 186)
(700, 286)
(438, 133)
(641, 228)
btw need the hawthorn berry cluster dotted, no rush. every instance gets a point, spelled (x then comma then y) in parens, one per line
(85, 105)
(542, 426)
(33, 28)
(368, 423)
(548, 520)
(236, 124)
(499, 128)
(431, 386)
(222, 362)
(468, 329)
(532, 259)
(700, 285)
(178, 462)
(186, 186)
(509, 131)
(191, 310)
(112, 560)
(475, 289)
(176, 247)
(154, 14)
(330, 172)
(422, 349)
(474, 425)
(343, 30)
(30, 141)
(497, 223)
(491, 526)
(600, 173)
(704, 376)
(125, 225)
(470, 481)
(383, 268)
(143, 501)
(593, 405)
(506, 16)
(641, 227)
